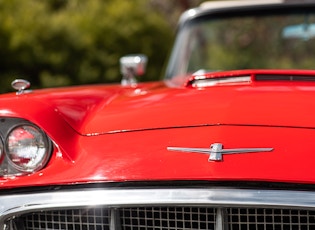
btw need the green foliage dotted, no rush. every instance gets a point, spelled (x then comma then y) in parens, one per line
(66, 42)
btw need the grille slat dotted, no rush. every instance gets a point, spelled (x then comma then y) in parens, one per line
(170, 218)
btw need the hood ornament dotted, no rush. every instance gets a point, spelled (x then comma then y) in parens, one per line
(216, 151)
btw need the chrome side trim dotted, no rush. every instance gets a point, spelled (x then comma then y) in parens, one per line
(12, 205)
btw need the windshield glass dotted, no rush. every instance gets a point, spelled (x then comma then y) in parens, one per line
(284, 41)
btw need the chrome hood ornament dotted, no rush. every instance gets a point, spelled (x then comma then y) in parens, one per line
(216, 151)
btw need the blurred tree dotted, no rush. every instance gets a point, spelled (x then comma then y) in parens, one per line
(66, 42)
(172, 9)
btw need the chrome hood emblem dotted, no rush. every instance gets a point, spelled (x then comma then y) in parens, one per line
(216, 151)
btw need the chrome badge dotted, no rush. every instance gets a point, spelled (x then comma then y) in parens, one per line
(216, 151)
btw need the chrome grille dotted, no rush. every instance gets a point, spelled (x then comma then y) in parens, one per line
(96, 218)
(170, 218)
(274, 219)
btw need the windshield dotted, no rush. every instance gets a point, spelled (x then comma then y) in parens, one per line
(283, 41)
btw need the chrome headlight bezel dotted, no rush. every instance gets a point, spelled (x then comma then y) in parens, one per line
(34, 149)
(2, 151)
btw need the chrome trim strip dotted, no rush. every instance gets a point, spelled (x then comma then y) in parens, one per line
(114, 220)
(12, 205)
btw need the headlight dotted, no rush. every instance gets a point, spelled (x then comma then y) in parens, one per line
(27, 148)
(24, 147)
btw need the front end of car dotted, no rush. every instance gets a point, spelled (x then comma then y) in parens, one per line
(211, 147)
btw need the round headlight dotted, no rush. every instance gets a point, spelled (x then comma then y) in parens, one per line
(27, 148)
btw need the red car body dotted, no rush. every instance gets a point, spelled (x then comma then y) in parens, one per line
(114, 143)
(130, 144)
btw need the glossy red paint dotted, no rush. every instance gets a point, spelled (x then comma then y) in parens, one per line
(113, 133)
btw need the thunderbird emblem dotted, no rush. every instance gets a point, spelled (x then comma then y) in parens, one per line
(216, 151)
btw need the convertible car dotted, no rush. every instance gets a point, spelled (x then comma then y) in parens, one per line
(225, 142)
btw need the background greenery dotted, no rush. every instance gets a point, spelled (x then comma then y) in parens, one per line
(69, 42)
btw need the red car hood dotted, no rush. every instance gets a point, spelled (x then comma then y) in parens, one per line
(125, 133)
(99, 110)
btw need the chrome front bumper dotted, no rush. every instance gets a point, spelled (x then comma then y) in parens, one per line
(15, 205)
